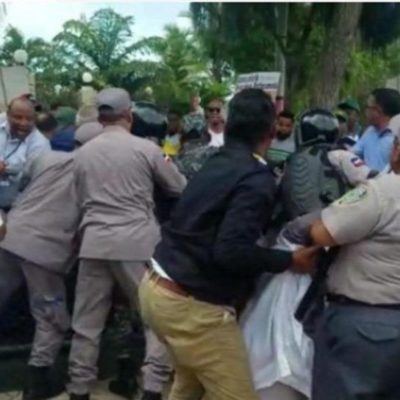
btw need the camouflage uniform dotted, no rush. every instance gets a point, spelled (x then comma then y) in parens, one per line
(194, 122)
(194, 157)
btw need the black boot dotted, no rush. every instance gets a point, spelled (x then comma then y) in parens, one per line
(79, 396)
(39, 385)
(151, 395)
(125, 385)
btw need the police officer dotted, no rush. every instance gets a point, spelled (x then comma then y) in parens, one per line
(357, 347)
(39, 249)
(115, 178)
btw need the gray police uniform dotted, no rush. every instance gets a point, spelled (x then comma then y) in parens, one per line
(357, 354)
(115, 177)
(38, 249)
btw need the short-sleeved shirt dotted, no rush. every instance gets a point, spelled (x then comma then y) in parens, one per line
(115, 175)
(366, 224)
(375, 147)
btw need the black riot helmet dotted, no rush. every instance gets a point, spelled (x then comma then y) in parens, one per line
(317, 126)
(149, 121)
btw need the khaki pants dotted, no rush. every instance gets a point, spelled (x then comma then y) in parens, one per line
(204, 341)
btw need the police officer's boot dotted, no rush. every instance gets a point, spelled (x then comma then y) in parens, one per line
(39, 385)
(151, 395)
(125, 385)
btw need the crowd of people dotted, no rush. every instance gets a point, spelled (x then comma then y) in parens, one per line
(214, 226)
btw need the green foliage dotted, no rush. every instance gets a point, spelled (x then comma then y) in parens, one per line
(104, 46)
(367, 69)
(227, 39)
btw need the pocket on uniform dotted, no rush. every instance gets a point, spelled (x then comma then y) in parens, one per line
(378, 332)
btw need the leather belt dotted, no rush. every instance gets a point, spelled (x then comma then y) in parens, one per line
(167, 284)
(346, 301)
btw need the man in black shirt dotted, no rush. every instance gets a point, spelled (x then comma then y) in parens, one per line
(208, 259)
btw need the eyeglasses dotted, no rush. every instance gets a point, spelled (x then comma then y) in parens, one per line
(214, 109)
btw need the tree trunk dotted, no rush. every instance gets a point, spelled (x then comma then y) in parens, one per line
(333, 60)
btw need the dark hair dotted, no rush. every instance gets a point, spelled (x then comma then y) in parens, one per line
(108, 115)
(286, 114)
(388, 100)
(211, 99)
(46, 122)
(251, 116)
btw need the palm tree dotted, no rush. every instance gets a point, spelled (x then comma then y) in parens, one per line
(104, 46)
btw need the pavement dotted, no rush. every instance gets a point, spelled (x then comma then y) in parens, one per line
(100, 392)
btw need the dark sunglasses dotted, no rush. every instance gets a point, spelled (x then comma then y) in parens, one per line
(214, 109)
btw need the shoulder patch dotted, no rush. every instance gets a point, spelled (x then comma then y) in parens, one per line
(352, 197)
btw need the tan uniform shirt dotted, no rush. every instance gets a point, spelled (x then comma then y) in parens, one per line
(42, 224)
(366, 222)
(115, 177)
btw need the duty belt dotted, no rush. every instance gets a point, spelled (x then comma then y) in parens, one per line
(346, 301)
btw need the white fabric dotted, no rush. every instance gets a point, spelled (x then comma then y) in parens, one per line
(159, 270)
(350, 165)
(278, 349)
(217, 138)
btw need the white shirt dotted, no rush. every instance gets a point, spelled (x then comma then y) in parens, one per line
(217, 138)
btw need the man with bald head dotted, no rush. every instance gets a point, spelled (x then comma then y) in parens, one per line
(20, 142)
(115, 178)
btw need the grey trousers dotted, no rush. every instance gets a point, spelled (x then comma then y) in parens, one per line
(47, 300)
(357, 354)
(93, 300)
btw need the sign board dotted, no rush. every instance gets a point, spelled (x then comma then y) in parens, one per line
(268, 81)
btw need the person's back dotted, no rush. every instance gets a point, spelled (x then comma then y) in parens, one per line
(209, 258)
(115, 176)
(195, 220)
(45, 215)
(115, 184)
(310, 181)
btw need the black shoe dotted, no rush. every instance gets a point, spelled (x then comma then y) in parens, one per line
(151, 395)
(73, 396)
(124, 388)
(39, 385)
(125, 385)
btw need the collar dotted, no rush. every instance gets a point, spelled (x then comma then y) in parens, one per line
(110, 128)
(239, 146)
(259, 158)
(383, 132)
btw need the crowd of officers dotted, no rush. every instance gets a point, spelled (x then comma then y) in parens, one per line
(190, 279)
